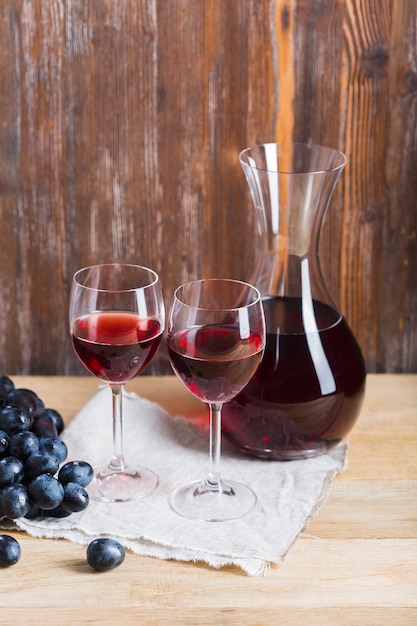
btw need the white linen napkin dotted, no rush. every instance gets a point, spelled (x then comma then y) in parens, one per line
(289, 493)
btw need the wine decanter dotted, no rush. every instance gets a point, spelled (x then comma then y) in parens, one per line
(307, 392)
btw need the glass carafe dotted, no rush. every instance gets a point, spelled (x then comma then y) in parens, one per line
(307, 392)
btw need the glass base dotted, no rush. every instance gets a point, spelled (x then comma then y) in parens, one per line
(204, 501)
(110, 485)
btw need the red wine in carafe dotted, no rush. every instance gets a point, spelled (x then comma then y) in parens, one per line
(306, 394)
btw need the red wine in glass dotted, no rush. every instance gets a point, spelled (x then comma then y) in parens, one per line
(214, 362)
(115, 346)
(116, 321)
(215, 340)
(305, 396)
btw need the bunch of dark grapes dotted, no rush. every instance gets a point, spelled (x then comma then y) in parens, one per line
(35, 481)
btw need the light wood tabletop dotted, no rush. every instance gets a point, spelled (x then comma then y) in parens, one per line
(356, 563)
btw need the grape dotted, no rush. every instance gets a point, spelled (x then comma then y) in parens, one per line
(14, 501)
(54, 446)
(75, 498)
(56, 419)
(14, 419)
(43, 426)
(4, 442)
(41, 463)
(79, 472)
(104, 554)
(59, 511)
(9, 551)
(11, 471)
(23, 444)
(6, 386)
(34, 512)
(46, 492)
(25, 399)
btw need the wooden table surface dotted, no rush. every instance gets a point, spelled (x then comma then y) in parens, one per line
(356, 564)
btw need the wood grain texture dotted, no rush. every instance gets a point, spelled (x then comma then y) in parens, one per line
(120, 128)
(354, 564)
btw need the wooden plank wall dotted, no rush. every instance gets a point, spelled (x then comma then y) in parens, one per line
(120, 126)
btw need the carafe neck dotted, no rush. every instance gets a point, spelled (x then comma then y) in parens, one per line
(291, 187)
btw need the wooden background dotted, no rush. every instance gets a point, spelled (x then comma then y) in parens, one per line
(120, 126)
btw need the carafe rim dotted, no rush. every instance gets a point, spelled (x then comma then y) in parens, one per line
(290, 146)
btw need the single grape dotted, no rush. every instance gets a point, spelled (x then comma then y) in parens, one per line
(11, 471)
(25, 399)
(56, 419)
(54, 446)
(59, 511)
(104, 554)
(4, 442)
(15, 501)
(43, 426)
(79, 472)
(76, 498)
(14, 419)
(23, 444)
(9, 551)
(46, 492)
(6, 386)
(34, 512)
(41, 463)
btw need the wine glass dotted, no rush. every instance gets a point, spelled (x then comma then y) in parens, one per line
(116, 319)
(216, 339)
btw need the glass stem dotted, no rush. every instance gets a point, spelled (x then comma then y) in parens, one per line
(213, 479)
(117, 463)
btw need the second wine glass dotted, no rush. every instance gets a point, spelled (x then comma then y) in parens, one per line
(116, 322)
(216, 339)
